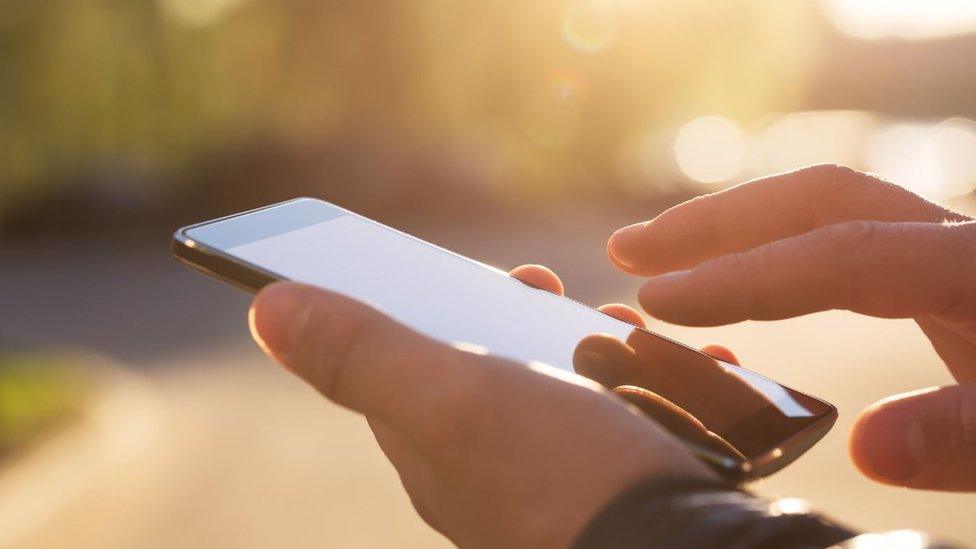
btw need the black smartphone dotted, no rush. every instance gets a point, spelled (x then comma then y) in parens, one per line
(741, 423)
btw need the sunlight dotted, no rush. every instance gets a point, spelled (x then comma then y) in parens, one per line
(551, 116)
(936, 161)
(710, 149)
(197, 13)
(798, 139)
(588, 26)
(951, 148)
(906, 19)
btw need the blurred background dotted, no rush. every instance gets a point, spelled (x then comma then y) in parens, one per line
(133, 409)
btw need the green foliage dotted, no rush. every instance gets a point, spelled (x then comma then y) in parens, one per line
(99, 84)
(36, 392)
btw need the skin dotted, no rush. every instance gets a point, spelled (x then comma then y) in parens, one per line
(828, 237)
(492, 453)
(495, 453)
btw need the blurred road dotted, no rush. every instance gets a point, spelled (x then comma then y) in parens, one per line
(237, 453)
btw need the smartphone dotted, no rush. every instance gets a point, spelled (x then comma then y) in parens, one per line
(741, 423)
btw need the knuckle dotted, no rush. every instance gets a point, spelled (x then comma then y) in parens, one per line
(855, 247)
(831, 174)
(961, 416)
(753, 277)
(752, 268)
(835, 179)
(853, 237)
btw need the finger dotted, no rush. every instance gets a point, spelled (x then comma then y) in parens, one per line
(606, 360)
(540, 277)
(623, 312)
(761, 211)
(890, 270)
(925, 439)
(695, 382)
(676, 420)
(721, 352)
(356, 356)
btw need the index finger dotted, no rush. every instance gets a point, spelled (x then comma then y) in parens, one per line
(761, 211)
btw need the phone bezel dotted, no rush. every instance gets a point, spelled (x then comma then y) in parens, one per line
(251, 278)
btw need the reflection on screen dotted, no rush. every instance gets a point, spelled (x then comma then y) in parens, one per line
(457, 300)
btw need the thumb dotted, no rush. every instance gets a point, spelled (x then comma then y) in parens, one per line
(925, 439)
(362, 359)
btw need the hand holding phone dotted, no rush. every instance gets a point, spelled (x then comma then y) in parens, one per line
(752, 425)
(493, 453)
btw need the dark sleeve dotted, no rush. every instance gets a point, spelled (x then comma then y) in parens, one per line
(684, 513)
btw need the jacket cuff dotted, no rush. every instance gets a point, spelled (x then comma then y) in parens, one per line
(692, 512)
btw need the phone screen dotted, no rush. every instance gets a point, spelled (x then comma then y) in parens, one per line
(463, 302)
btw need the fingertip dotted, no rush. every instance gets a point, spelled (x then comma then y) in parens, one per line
(721, 352)
(887, 444)
(539, 276)
(624, 313)
(624, 247)
(277, 316)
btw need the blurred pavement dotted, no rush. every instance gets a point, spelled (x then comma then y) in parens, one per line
(239, 454)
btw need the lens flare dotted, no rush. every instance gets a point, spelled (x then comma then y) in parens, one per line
(710, 149)
(551, 117)
(589, 26)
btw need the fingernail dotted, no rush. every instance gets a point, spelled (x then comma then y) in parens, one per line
(281, 315)
(625, 242)
(895, 445)
(667, 278)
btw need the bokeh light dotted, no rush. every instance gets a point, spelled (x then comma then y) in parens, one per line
(906, 19)
(197, 12)
(935, 160)
(710, 149)
(951, 148)
(645, 165)
(589, 25)
(790, 141)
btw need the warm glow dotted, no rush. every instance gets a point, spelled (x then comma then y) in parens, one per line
(800, 139)
(907, 19)
(589, 25)
(789, 506)
(710, 149)
(551, 116)
(951, 148)
(936, 161)
(197, 12)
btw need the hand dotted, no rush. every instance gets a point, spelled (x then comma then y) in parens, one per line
(492, 453)
(824, 238)
(640, 370)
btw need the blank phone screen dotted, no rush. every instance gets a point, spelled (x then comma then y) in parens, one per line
(463, 302)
